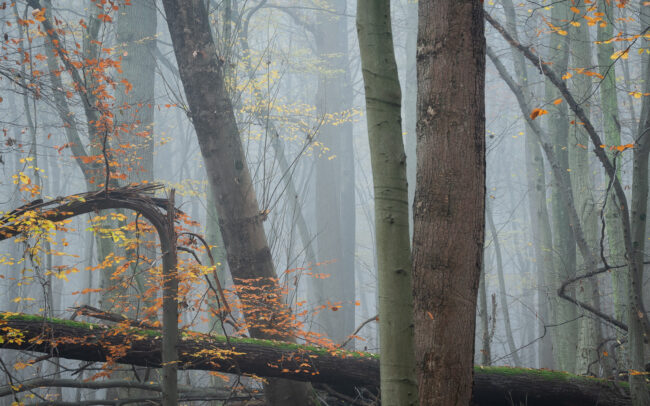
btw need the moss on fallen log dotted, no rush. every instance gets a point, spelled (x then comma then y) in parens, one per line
(343, 370)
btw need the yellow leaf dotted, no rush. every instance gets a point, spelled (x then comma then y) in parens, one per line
(567, 75)
(620, 54)
(20, 365)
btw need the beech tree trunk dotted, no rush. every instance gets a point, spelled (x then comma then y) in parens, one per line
(240, 219)
(334, 175)
(449, 197)
(383, 107)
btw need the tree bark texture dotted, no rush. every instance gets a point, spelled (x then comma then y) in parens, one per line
(449, 198)
(383, 109)
(240, 219)
(342, 370)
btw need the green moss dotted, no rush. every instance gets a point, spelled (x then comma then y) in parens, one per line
(29, 317)
(540, 374)
(191, 335)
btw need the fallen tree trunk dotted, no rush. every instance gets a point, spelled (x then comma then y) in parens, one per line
(341, 369)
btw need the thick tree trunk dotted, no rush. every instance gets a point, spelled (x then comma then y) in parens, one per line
(383, 102)
(341, 370)
(449, 198)
(334, 178)
(241, 221)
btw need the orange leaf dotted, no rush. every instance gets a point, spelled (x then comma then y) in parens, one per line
(537, 112)
(557, 101)
(127, 86)
(105, 18)
(39, 15)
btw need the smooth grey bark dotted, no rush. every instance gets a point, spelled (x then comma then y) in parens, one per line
(409, 101)
(589, 333)
(612, 134)
(484, 315)
(383, 105)
(241, 221)
(566, 334)
(334, 187)
(638, 218)
(134, 108)
(136, 42)
(502, 285)
(540, 222)
(449, 204)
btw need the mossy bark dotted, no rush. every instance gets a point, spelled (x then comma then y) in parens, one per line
(342, 370)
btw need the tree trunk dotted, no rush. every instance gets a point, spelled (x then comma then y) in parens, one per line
(409, 102)
(343, 371)
(638, 214)
(612, 134)
(383, 105)
(333, 172)
(241, 221)
(484, 313)
(589, 334)
(566, 334)
(449, 198)
(540, 223)
(502, 287)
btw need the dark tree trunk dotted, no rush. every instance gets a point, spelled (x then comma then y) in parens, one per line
(240, 219)
(449, 197)
(343, 371)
